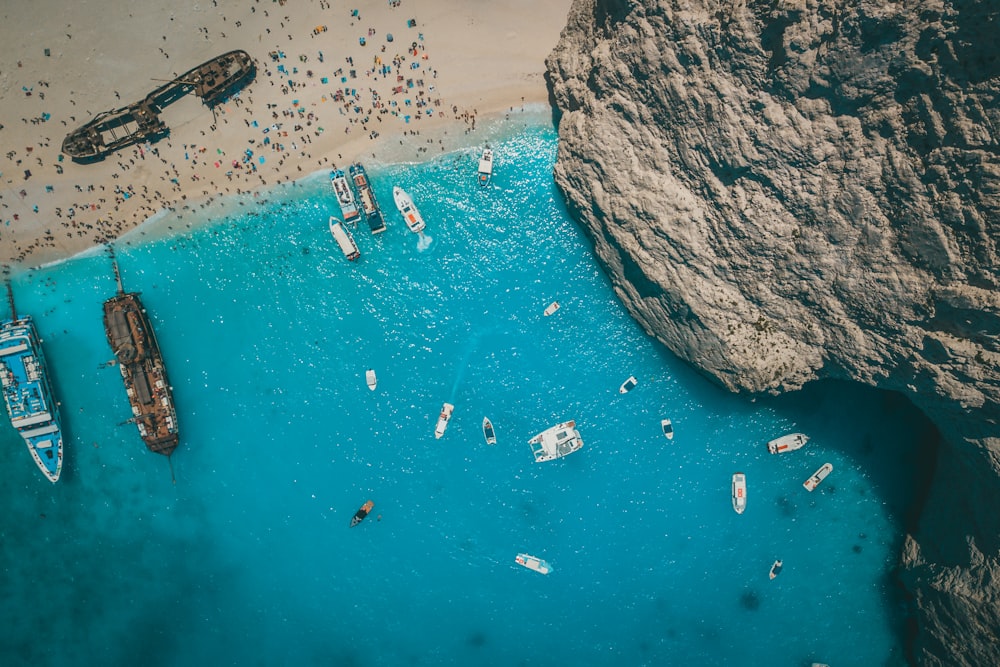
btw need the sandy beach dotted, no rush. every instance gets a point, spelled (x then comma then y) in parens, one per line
(376, 80)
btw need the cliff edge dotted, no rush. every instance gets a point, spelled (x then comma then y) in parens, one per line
(788, 190)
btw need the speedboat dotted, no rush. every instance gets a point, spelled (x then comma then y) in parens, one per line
(443, 418)
(739, 492)
(551, 308)
(370, 379)
(668, 428)
(775, 569)
(362, 512)
(787, 443)
(485, 167)
(533, 563)
(818, 476)
(488, 432)
(414, 221)
(344, 239)
(556, 442)
(628, 385)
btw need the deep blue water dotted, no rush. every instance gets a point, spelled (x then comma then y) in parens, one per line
(267, 332)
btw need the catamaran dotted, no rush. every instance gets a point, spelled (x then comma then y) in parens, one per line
(414, 222)
(787, 443)
(28, 393)
(555, 442)
(344, 239)
(345, 197)
(486, 167)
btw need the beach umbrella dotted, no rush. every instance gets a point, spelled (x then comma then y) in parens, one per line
(388, 37)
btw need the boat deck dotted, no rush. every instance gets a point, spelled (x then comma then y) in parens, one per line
(367, 197)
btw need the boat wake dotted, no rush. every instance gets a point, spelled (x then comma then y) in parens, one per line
(424, 242)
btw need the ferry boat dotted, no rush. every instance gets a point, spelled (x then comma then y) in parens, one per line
(138, 356)
(628, 385)
(414, 221)
(362, 512)
(533, 563)
(344, 239)
(28, 394)
(555, 442)
(345, 197)
(668, 428)
(787, 443)
(486, 167)
(488, 432)
(443, 418)
(739, 492)
(818, 477)
(367, 197)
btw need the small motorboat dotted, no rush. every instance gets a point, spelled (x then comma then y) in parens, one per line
(628, 385)
(551, 308)
(818, 476)
(370, 379)
(533, 563)
(360, 515)
(488, 432)
(486, 167)
(668, 428)
(787, 443)
(775, 569)
(739, 492)
(443, 418)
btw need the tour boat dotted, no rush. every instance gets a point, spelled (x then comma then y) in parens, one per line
(787, 443)
(739, 492)
(443, 418)
(344, 239)
(485, 167)
(370, 379)
(342, 188)
(668, 428)
(533, 563)
(488, 432)
(556, 442)
(362, 512)
(414, 221)
(628, 385)
(818, 477)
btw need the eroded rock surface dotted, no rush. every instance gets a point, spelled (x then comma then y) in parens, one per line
(789, 190)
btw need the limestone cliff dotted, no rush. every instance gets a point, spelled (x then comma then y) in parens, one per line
(788, 190)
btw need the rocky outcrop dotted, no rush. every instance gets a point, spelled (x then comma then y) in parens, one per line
(788, 190)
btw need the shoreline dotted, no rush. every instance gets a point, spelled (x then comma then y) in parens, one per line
(436, 86)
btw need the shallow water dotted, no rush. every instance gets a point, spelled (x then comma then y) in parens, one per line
(267, 332)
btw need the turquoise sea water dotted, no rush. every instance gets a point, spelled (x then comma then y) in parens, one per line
(267, 332)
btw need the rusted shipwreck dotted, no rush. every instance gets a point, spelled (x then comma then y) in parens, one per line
(212, 81)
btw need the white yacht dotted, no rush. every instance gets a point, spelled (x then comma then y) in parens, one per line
(556, 442)
(414, 222)
(787, 443)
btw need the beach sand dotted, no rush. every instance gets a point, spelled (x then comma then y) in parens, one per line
(321, 99)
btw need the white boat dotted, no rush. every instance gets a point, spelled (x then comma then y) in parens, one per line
(787, 443)
(485, 167)
(628, 385)
(551, 308)
(345, 197)
(370, 379)
(443, 420)
(818, 476)
(668, 428)
(344, 239)
(739, 492)
(556, 442)
(775, 569)
(533, 563)
(488, 432)
(414, 221)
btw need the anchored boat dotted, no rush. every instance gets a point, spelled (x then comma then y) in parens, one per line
(533, 563)
(368, 202)
(138, 355)
(345, 197)
(488, 432)
(818, 477)
(443, 418)
(628, 385)
(414, 221)
(370, 379)
(486, 167)
(551, 308)
(668, 428)
(739, 492)
(555, 442)
(27, 392)
(787, 443)
(344, 239)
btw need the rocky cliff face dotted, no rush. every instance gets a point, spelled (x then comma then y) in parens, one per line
(788, 190)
